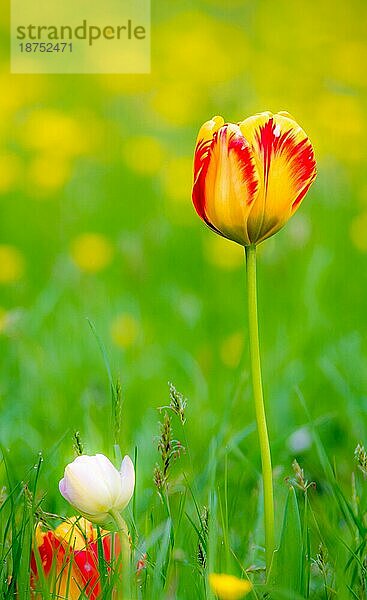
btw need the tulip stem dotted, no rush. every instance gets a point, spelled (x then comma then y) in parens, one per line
(259, 404)
(125, 546)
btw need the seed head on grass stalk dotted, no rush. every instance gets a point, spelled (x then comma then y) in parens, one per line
(203, 540)
(78, 444)
(169, 450)
(321, 562)
(298, 480)
(360, 456)
(177, 402)
(249, 179)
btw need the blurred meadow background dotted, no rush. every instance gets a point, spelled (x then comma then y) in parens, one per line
(97, 222)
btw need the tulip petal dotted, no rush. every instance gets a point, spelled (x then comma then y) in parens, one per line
(201, 161)
(110, 474)
(225, 182)
(286, 164)
(76, 532)
(49, 549)
(86, 562)
(127, 478)
(209, 128)
(85, 486)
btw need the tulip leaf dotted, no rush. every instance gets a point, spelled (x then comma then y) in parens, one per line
(288, 560)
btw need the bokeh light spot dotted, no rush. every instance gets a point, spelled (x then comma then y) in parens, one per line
(124, 330)
(11, 264)
(231, 349)
(9, 172)
(55, 132)
(358, 232)
(143, 154)
(91, 252)
(48, 173)
(177, 178)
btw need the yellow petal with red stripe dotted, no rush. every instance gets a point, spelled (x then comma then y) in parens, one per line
(225, 180)
(55, 559)
(286, 165)
(207, 130)
(77, 532)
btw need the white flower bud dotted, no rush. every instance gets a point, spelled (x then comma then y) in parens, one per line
(95, 487)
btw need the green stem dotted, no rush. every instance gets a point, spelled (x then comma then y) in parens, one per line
(125, 549)
(259, 404)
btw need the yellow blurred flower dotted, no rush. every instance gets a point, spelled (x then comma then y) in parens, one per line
(271, 88)
(20, 90)
(48, 173)
(204, 48)
(91, 252)
(176, 102)
(349, 56)
(143, 154)
(11, 264)
(124, 330)
(223, 255)
(9, 171)
(231, 349)
(55, 132)
(341, 119)
(358, 232)
(126, 84)
(228, 587)
(177, 178)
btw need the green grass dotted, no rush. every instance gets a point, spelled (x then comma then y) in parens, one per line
(190, 525)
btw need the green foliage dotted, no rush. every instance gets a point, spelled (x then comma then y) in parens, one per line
(322, 537)
(288, 559)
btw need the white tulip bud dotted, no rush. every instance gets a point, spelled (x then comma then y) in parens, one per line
(95, 487)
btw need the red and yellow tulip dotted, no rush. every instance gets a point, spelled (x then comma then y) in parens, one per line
(250, 177)
(69, 559)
